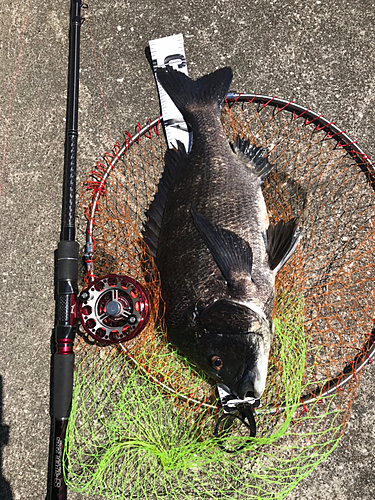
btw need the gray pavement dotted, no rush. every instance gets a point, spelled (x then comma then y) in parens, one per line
(317, 53)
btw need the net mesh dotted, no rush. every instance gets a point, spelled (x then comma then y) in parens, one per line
(142, 419)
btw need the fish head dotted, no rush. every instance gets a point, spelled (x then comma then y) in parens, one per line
(234, 347)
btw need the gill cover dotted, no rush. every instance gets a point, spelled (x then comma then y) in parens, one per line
(227, 317)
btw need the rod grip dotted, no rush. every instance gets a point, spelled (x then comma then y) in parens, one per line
(63, 385)
(67, 260)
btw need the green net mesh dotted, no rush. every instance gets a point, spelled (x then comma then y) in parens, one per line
(129, 437)
(143, 418)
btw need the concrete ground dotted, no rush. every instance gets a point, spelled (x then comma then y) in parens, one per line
(317, 53)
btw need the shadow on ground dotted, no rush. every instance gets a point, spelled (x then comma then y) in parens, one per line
(5, 489)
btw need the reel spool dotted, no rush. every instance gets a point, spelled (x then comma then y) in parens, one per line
(114, 309)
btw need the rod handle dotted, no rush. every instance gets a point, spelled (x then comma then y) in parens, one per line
(63, 385)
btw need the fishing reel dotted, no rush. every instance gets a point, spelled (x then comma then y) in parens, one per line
(114, 309)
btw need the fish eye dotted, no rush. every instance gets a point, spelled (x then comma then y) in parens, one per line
(217, 363)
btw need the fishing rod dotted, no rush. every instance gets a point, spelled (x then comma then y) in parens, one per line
(112, 310)
(66, 273)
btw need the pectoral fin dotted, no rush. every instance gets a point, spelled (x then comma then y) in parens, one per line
(230, 252)
(282, 240)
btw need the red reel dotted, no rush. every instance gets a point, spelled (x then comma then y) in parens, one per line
(114, 309)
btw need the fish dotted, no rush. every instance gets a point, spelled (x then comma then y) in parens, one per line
(208, 232)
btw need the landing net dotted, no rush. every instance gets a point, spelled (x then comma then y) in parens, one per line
(142, 420)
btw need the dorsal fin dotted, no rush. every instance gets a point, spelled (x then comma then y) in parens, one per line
(173, 160)
(255, 155)
(230, 252)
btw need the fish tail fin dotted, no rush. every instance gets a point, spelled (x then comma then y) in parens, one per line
(187, 93)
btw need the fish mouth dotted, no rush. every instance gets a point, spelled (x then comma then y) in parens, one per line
(253, 382)
(247, 385)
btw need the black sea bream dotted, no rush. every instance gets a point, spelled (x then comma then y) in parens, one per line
(210, 237)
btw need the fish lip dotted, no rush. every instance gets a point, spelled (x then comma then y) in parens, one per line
(246, 384)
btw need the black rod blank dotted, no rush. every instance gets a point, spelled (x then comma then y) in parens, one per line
(69, 194)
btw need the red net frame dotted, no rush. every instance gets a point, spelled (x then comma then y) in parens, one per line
(322, 177)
